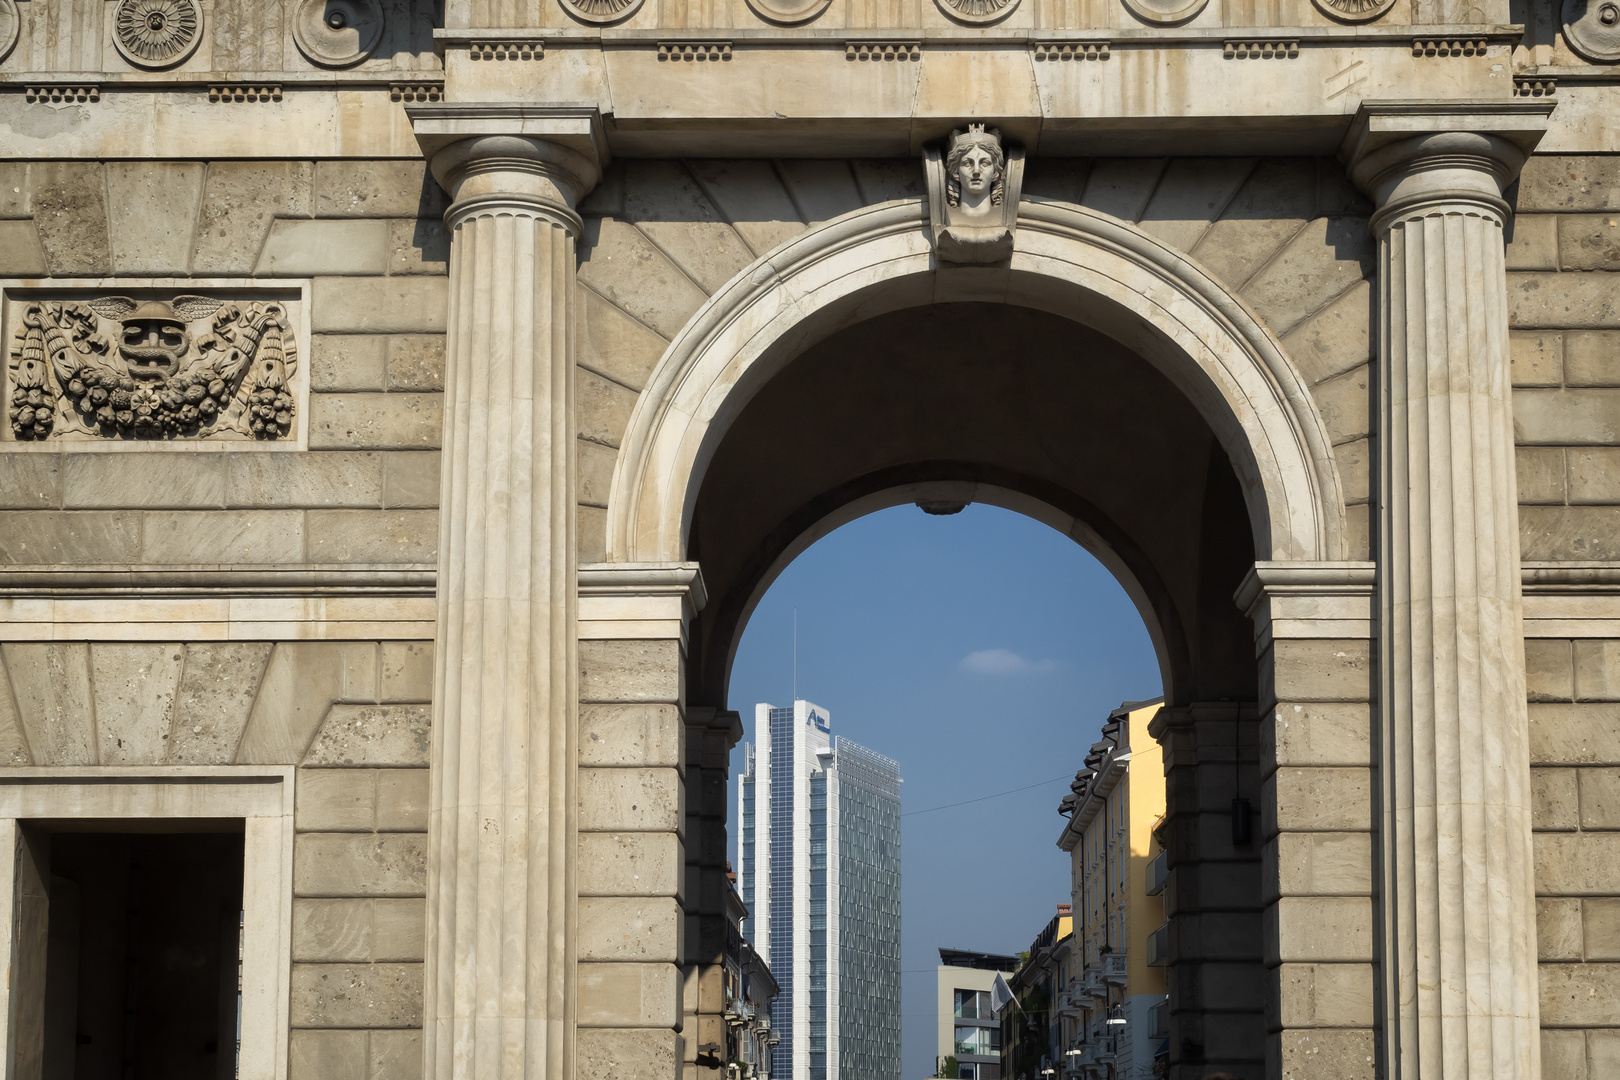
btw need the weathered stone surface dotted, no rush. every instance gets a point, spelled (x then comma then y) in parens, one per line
(411, 479)
(637, 799)
(1323, 733)
(1318, 264)
(1311, 929)
(326, 1055)
(398, 927)
(347, 362)
(31, 481)
(240, 201)
(418, 246)
(52, 687)
(1190, 194)
(629, 928)
(1533, 242)
(309, 248)
(592, 540)
(70, 212)
(595, 472)
(1594, 475)
(396, 189)
(643, 282)
(1578, 864)
(152, 209)
(134, 691)
(1318, 864)
(51, 537)
(1321, 670)
(1345, 404)
(1553, 800)
(1601, 927)
(1325, 995)
(407, 671)
(415, 362)
(1320, 799)
(359, 864)
(629, 671)
(373, 735)
(218, 684)
(1563, 1054)
(97, 481)
(309, 480)
(1275, 202)
(242, 536)
(1600, 798)
(1578, 533)
(373, 536)
(629, 995)
(1541, 475)
(1584, 417)
(1597, 670)
(629, 864)
(666, 204)
(1589, 241)
(1570, 182)
(396, 1055)
(332, 931)
(402, 800)
(613, 344)
(302, 680)
(20, 250)
(1558, 928)
(1563, 301)
(602, 408)
(1327, 1054)
(1579, 995)
(375, 305)
(631, 1053)
(375, 421)
(1575, 734)
(1549, 670)
(357, 995)
(1592, 358)
(620, 735)
(336, 800)
(1537, 357)
(13, 741)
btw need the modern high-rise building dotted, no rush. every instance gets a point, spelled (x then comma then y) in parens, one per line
(819, 864)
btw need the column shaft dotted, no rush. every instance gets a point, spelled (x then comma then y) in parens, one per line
(1457, 888)
(499, 988)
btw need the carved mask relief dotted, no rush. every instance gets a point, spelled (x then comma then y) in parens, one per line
(192, 367)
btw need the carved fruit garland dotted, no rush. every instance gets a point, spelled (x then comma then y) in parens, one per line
(235, 377)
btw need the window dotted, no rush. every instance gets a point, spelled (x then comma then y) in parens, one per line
(973, 1005)
(982, 1041)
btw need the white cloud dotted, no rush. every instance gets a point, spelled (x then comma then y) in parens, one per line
(1003, 662)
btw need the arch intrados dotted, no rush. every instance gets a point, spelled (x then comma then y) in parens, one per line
(1169, 644)
(1068, 261)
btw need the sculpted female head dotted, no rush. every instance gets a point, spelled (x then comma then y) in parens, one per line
(975, 167)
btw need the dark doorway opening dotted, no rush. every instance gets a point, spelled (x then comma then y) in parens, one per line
(140, 938)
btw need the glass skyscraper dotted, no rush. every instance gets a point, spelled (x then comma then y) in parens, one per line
(819, 865)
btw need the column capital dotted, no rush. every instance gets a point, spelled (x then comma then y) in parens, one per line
(1414, 156)
(531, 159)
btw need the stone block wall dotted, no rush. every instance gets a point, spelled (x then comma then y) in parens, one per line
(368, 236)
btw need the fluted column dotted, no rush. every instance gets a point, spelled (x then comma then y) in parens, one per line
(499, 996)
(1457, 891)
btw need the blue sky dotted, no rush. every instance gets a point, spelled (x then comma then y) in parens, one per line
(982, 651)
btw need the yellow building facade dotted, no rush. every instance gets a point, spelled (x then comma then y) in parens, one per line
(1110, 1003)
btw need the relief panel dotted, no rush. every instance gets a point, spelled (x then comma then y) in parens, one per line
(154, 367)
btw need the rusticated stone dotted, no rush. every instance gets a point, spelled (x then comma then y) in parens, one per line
(372, 735)
(240, 201)
(359, 864)
(70, 211)
(218, 684)
(357, 995)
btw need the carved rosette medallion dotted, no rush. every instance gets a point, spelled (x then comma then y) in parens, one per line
(1165, 12)
(338, 33)
(1353, 11)
(602, 11)
(157, 33)
(115, 368)
(1592, 28)
(10, 27)
(788, 12)
(976, 11)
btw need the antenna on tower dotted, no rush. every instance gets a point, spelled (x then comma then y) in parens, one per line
(795, 654)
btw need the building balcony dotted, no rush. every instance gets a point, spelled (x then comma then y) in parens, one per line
(1158, 947)
(1113, 968)
(1158, 871)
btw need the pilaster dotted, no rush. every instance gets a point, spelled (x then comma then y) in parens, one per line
(499, 988)
(1456, 892)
